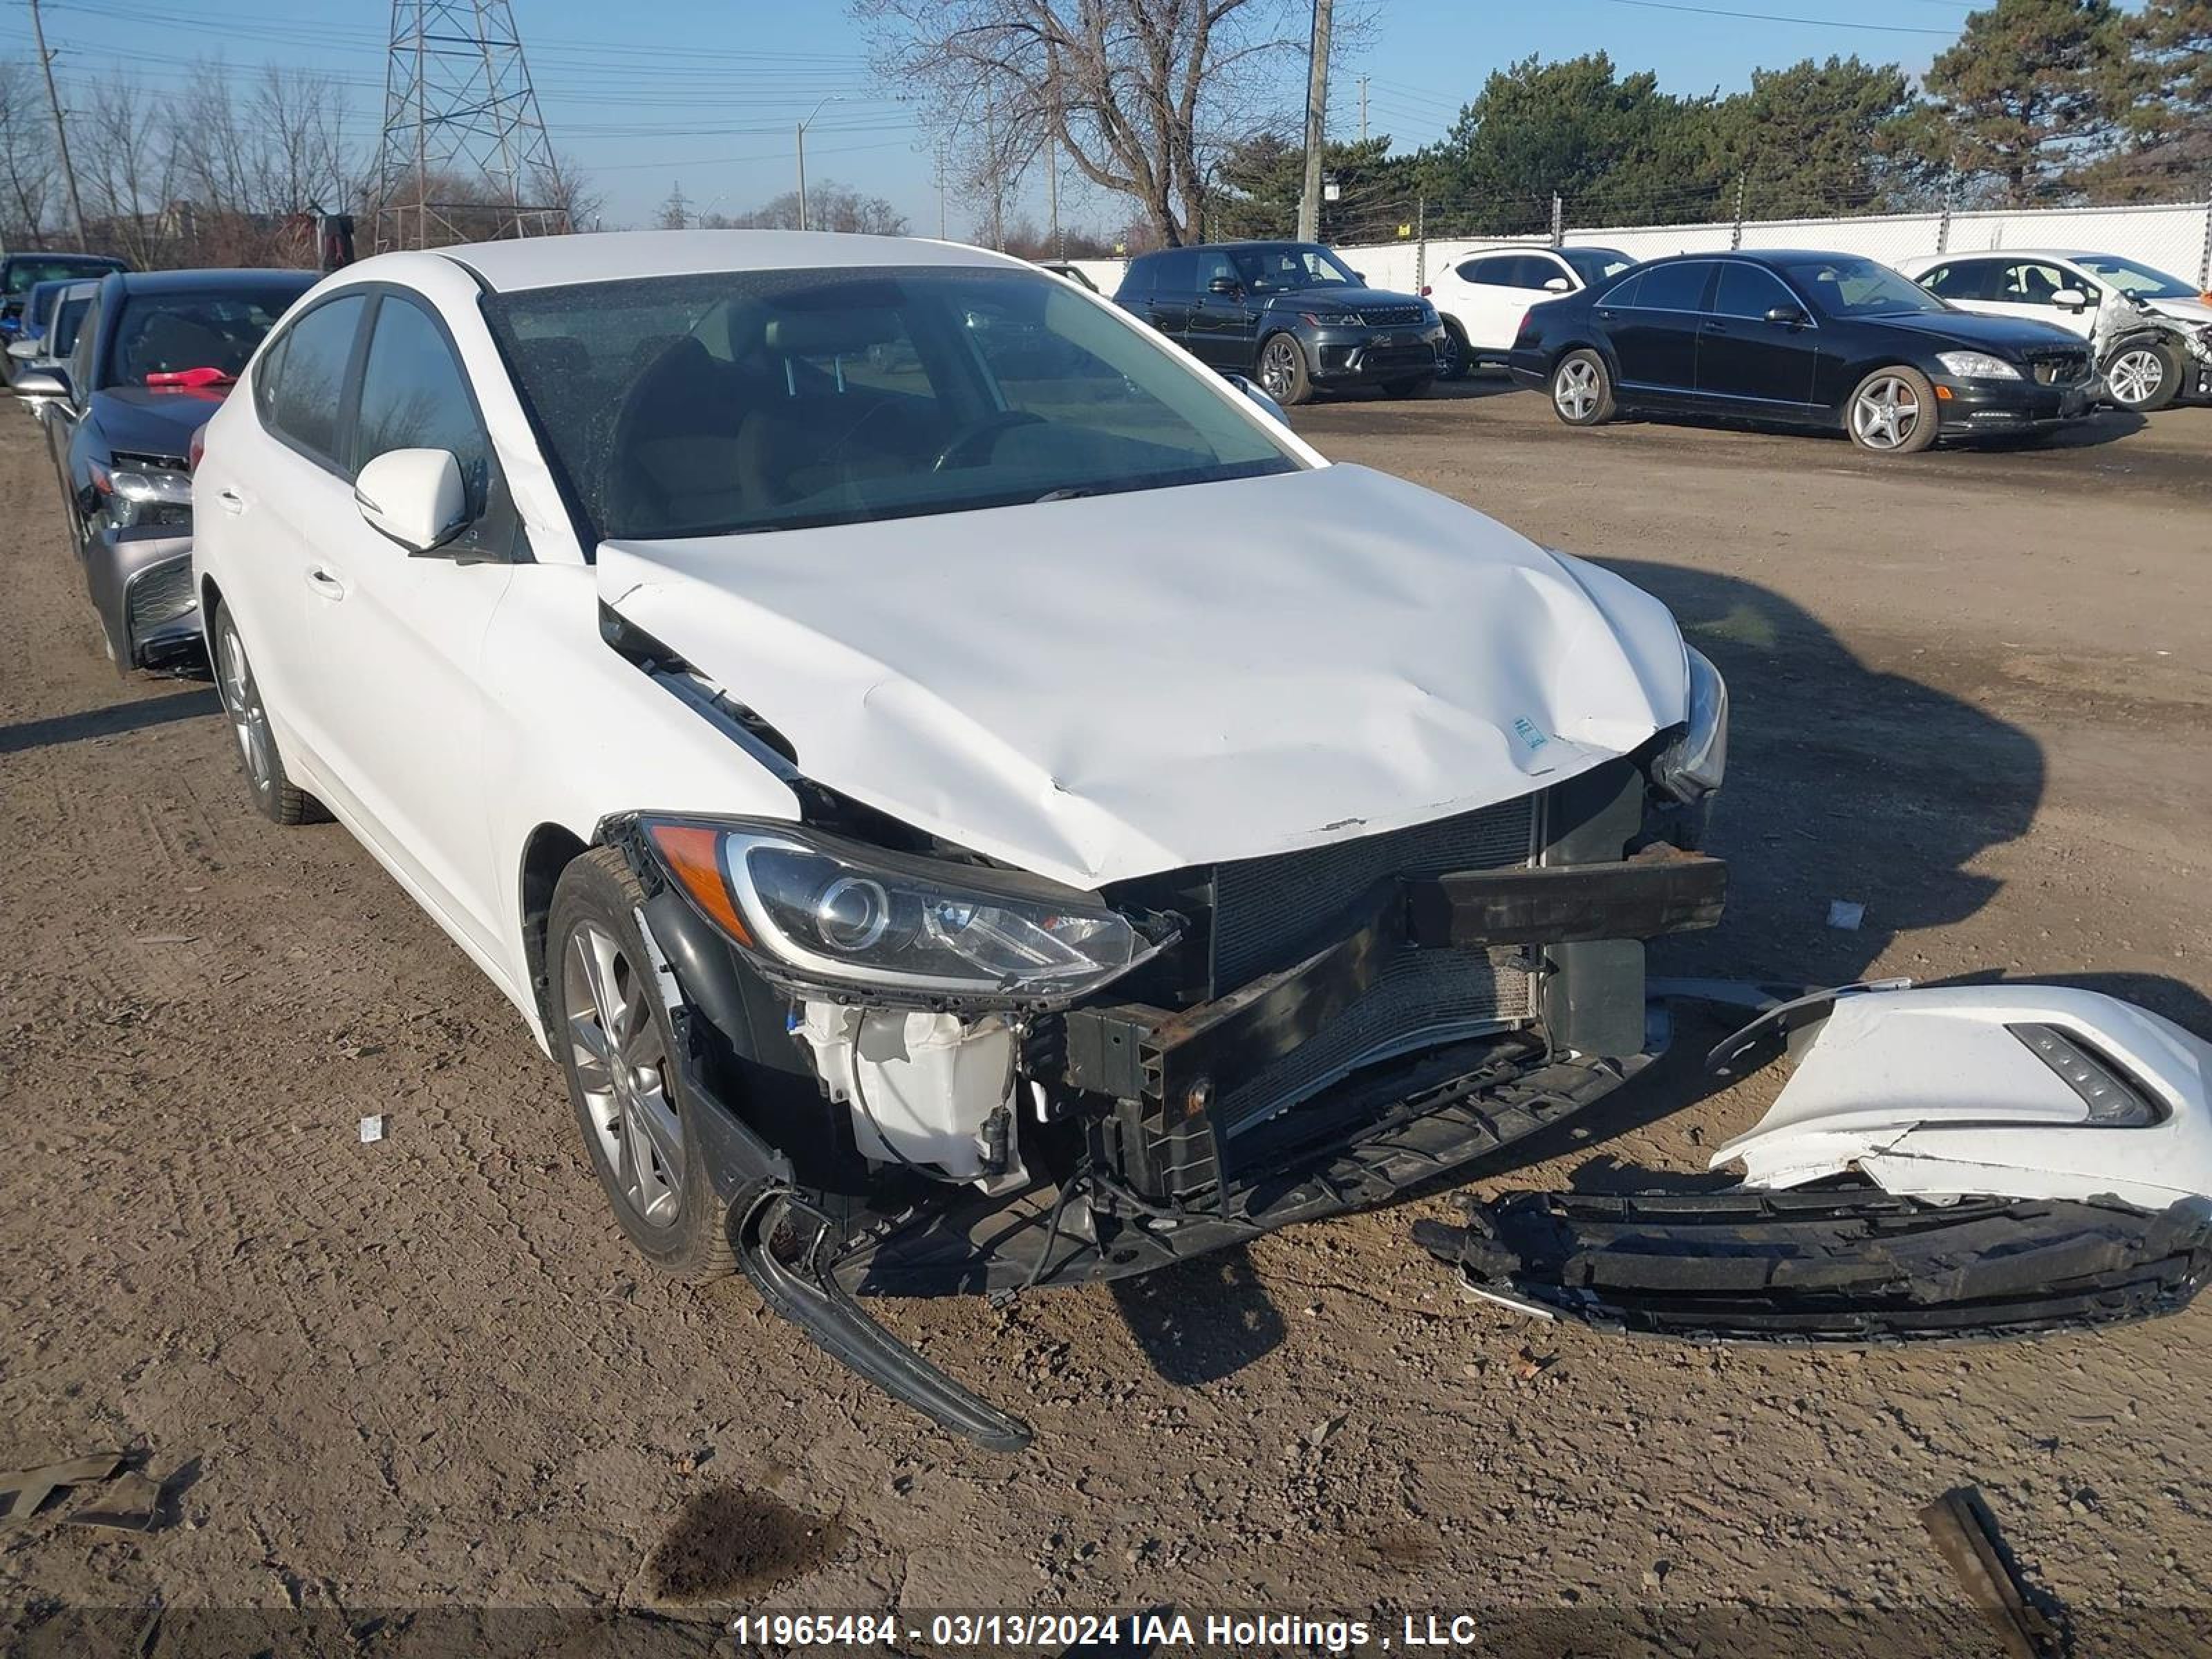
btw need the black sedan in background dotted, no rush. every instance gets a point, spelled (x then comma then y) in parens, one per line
(1821, 340)
(1292, 315)
(155, 355)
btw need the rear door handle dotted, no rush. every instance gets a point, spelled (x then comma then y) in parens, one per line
(232, 501)
(326, 581)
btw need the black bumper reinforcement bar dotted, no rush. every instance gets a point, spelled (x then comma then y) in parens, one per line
(783, 1244)
(1864, 1266)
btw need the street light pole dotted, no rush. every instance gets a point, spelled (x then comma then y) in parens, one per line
(803, 125)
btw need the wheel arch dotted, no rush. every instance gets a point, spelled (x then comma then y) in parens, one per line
(546, 851)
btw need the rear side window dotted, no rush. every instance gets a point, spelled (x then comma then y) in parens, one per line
(1176, 272)
(1967, 279)
(1747, 291)
(303, 403)
(1139, 278)
(1675, 288)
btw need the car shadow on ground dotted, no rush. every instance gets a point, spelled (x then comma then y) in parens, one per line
(112, 721)
(2106, 426)
(1844, 782)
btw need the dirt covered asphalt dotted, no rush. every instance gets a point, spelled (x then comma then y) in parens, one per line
(1972, 692)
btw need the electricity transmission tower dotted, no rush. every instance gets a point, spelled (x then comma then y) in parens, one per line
(464, 156)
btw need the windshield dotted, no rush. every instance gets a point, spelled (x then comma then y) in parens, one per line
(25, 274)
(1291, 267)
(167, 334)
(703, 405)
(1595, 264)
(1847, 287)
(2137, 282)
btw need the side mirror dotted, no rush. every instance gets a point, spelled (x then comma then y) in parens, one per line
(1224, 285)
(1786, 316)
(415, 496)
(1268, 406)
(23, 350)
(2069, 299)
(1362, 277)
(1558, 285)
(40, 383)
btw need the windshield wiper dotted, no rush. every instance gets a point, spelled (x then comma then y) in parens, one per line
(1074, 492)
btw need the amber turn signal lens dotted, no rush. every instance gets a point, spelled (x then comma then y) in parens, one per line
(690, 853)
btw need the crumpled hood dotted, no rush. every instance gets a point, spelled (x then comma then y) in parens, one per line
(2192, 313)
(155, 420)
(1113, 686)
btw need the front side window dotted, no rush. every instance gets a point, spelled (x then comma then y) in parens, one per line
(794, 398)
(310, 375)
(1747, 291)
(159, 334)
(1850, 286)
(414, 396)
(2032, 283)
(1292, 267)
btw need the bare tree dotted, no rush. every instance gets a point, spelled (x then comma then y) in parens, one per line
(126, 170)
(26, 157)
(829, 206)
(1141, 94)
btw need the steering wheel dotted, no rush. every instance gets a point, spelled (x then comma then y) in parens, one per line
(956, 449)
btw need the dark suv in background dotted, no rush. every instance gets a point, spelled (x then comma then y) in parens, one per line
(1292, 315)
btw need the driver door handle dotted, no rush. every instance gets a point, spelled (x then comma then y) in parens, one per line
(233, 502)
(326, 581)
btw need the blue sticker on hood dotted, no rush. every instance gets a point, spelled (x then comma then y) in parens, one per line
(1525, 729)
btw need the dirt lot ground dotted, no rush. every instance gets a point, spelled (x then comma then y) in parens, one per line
(1971, 692)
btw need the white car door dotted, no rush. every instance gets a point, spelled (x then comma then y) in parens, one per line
(270, 491)
(397, 638)
(1493, 292)
(2009, 286)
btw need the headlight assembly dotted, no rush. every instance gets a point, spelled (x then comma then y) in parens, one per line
(845, 917)
(1977, 366)
(1694, 764)
(134, 498)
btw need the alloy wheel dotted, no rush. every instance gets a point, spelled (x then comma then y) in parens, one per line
(622, 1069)
(249, 720)
(1576, 391)
(1279, 368)
(1885, 413)
(2135, 377)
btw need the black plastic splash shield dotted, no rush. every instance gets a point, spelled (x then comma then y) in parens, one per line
(1827, 1265)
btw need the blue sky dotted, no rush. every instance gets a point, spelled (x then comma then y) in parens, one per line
(704, 92)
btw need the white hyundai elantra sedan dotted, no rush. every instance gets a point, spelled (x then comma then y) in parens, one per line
(969, 798)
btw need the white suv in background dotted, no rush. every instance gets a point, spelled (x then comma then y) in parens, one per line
(2151, 333)
(1483, 297)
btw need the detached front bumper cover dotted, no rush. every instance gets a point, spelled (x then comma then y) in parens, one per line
(1967, 1161)
(1859, 1267)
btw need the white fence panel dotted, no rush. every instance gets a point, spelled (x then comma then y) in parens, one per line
(2176, 238)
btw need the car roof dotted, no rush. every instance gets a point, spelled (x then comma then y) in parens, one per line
(205, 281)
(538, 262)
(60, 256)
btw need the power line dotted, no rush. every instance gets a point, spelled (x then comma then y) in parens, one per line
(1772, 17)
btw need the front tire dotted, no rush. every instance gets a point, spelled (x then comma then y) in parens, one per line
(275, 795)
(1582, 389)
(2143, 378)
(1893, 412)
(1282, 371)
(1456, 359)
(611, 1031)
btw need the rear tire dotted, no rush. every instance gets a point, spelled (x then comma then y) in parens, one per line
(1408, 388)
(2143, 378)
(610, 1030)
(1282, 372)
(1893, 412)
(274, 796)
(1582, 389)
